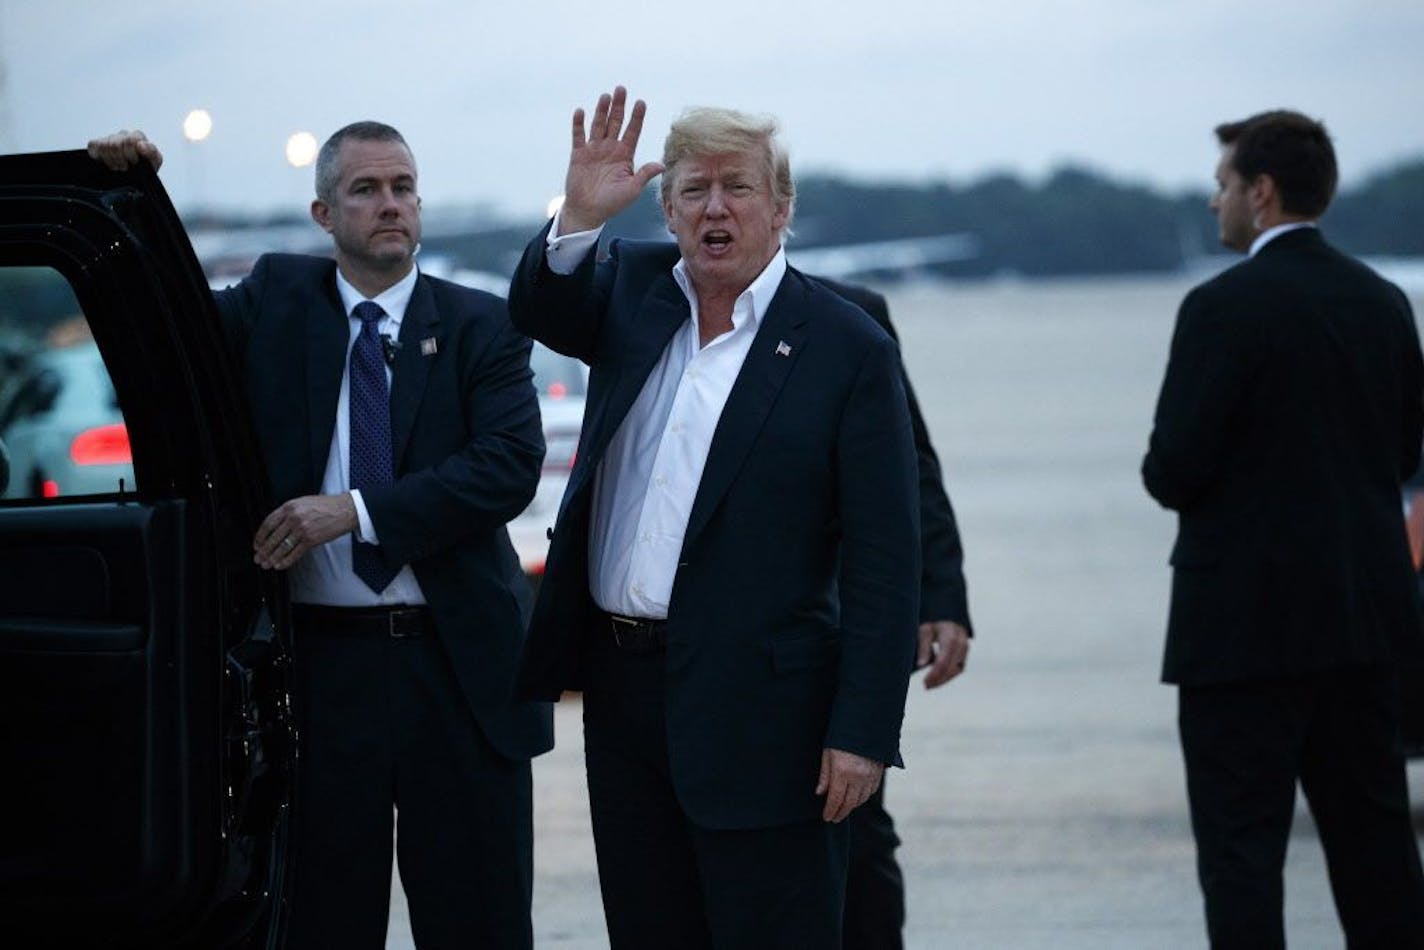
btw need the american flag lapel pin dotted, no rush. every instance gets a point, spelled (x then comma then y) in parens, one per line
(783, 348)
(428, 346)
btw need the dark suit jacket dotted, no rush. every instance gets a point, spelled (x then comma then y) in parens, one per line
(943, 595)
(1292, 408)
(811, 474)
(468, 447)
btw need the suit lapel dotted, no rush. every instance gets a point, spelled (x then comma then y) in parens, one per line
(412, 366)
(328, 336)
(663, 310)
(777, 346)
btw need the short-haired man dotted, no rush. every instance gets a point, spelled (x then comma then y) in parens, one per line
(401, 433)
(733, 577)
(1291, 410)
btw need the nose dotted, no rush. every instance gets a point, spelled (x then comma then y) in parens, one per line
(716, 202)
(390, 205)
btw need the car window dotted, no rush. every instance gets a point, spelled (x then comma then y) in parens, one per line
(59, 416)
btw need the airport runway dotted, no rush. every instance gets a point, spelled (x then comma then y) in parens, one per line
(1043, 805)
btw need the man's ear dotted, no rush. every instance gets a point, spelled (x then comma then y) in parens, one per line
(1263, 193)
(321, 214)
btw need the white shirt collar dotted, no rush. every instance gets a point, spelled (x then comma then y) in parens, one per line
(393, 300)
(759, 292)
(1270, 234)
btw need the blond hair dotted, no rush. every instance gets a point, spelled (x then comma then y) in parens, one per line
(706, 130)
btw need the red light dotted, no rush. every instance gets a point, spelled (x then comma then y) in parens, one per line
(103, 445)
(49, 488)
(558, 390)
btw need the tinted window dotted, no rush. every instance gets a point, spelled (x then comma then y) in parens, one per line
(59, 417)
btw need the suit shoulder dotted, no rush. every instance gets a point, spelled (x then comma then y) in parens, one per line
(294, 266)
(838, 312)
(460, 298)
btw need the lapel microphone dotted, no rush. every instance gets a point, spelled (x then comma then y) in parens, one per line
(390, 347)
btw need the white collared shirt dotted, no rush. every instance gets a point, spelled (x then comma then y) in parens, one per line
(647, 480)
(1270, 234)
(324, 574)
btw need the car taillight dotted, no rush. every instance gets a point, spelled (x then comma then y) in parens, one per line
(556, 390)
(102, 445)
(49, 488)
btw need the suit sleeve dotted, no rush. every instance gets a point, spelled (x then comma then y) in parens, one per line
(943, 592)
(564, 312)
(239, 305)
(880, 563)
(1411, 380)
(1215, 355)
(491, 479)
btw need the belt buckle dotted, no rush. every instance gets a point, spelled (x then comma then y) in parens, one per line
(619, 624)
(392, 628)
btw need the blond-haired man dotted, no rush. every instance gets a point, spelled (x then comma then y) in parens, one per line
(733, 579)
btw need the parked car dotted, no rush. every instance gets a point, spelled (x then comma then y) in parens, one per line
(62, 425)
(144, 661)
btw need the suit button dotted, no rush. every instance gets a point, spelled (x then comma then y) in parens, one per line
(548, 534)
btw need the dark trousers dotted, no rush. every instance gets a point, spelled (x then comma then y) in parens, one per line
(667, 882)
(875, 889)
(384, 726)
(1246, 746)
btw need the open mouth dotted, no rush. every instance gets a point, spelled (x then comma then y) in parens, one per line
(717, 241)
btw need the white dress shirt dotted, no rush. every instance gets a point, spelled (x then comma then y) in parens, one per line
(1270, 234)
(648, 478)
(323, 575)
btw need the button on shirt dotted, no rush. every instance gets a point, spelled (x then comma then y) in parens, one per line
(648, 478)
(324, 574)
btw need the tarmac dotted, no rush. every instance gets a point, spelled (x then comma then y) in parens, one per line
(1043, 804)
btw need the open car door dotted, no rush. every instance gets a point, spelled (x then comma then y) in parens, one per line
(145, 725)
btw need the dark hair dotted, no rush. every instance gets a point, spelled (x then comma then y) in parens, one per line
(1293, 149)
(327, 171)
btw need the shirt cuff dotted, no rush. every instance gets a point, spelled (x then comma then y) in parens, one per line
(564, 252)
(366, 530)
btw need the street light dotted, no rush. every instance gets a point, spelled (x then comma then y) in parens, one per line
(197, 125)
(301, 149)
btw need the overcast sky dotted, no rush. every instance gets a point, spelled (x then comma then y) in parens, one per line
(907, 89)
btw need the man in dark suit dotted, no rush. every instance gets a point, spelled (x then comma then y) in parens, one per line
(1291, 410)
(875, 888)
(732, 580)
(401, 432)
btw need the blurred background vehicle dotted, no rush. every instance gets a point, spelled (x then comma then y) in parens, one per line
(562, 385)
(60, 420)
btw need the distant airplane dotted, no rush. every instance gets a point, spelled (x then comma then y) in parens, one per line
(905, 254)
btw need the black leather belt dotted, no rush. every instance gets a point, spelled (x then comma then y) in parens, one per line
(638, 634)
(402, 622)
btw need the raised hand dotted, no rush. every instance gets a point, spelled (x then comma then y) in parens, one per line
(602, 180)
(124, 150)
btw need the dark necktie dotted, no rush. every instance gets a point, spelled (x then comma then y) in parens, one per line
(370, 417)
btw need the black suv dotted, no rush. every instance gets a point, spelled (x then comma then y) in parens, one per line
(145, 723)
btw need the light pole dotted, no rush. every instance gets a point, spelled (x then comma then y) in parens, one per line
(197, 126)
(301, 152)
